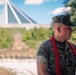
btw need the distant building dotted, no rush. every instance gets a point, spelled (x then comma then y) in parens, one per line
(11, 14)
(13, 17)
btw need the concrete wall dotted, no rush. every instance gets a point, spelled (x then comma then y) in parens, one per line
(27, 26)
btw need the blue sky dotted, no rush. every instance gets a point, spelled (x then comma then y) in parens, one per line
(41, 11)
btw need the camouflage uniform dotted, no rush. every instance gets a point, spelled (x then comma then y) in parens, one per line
(45, 54)
(67, 58)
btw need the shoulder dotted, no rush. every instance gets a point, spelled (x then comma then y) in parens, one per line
(44, 48)
(43, 51)
(45, 45)
(73, 44)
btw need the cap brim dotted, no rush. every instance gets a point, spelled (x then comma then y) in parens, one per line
(72, 24)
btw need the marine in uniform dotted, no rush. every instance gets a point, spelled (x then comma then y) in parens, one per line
(46, 54)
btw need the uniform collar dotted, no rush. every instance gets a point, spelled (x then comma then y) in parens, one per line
(63, 45)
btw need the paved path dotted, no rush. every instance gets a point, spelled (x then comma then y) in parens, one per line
(22, 67)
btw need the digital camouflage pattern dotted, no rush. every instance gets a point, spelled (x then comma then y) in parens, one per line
(45, 54)
(65, 19)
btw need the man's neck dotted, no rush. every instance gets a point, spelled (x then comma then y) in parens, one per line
(57, 38)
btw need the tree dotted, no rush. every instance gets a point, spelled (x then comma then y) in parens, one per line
(72, 4)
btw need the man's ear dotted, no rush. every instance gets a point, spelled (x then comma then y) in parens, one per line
(59, 29)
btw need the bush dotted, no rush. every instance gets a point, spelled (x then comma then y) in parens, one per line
(6, 38)
(35, 37)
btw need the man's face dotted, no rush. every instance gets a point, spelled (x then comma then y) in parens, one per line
(66, 32)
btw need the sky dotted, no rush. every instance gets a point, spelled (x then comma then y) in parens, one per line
(40, 11)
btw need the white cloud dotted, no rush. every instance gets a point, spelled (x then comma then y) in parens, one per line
(60, 10)
(46, 0)
(34, 1)
(50, 0)
(55, 0)
(37, 1)
(1, 2)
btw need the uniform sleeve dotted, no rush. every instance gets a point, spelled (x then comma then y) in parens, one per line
(42, 54)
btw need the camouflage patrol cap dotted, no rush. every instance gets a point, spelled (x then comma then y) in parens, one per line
(64, 19)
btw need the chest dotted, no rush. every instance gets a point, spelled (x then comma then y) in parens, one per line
(66, 56)
(67, 61)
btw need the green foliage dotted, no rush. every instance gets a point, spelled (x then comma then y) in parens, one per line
(16, 30)
(27, 35)
(73, 38)
(35, 37)
(39, 34)
(33, 43)
(72, 4)
(6, 39)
